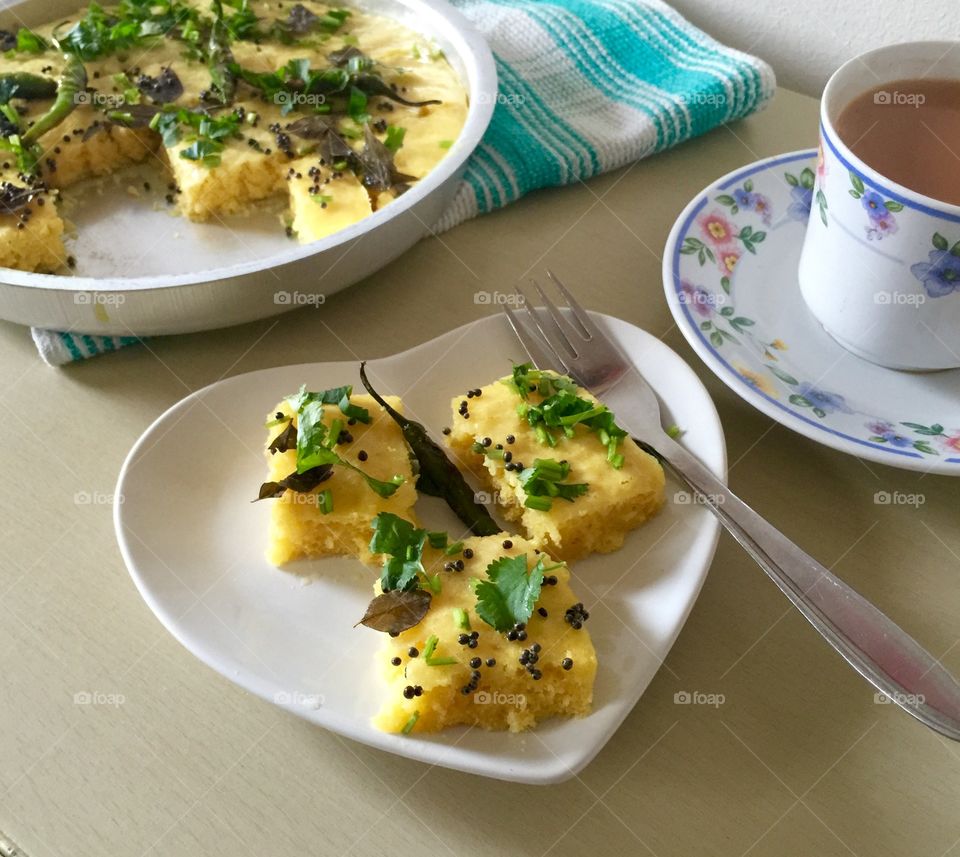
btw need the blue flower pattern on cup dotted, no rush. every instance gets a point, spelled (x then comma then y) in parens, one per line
(941, 274)
(887, 433)
(822, 400)
(803, 194)
(880, 211)
(745, 198)
(802, 202)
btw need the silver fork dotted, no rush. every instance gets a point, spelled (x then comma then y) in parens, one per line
(877, 648)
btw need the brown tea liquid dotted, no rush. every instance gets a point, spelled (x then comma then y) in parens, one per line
(909, 132)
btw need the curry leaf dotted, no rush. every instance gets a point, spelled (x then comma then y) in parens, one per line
(396, 611)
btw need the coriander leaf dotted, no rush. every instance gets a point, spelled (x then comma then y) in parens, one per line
(438, 540)
(242, 23)
(29, 42)
(384, 487)
(339, 396)
(315, 441)
(544, 481)
(525, 380)
(206, 151)
(393, 534)
(312, 438)
(402, 544)
(509, 593)
(396, 611)
(204, 133)
(562, 409)
(394, 138)
(357, 106)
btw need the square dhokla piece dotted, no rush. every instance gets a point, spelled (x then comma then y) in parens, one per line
(454, 669)
(616, 499)
(299, 529)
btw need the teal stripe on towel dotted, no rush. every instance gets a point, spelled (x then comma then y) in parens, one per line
(584, 86)
(71, 346)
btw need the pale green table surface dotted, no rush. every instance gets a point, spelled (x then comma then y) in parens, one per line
(799, 760)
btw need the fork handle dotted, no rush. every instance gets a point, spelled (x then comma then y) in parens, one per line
(876, 647)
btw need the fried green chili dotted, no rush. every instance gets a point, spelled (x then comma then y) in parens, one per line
(439, 477)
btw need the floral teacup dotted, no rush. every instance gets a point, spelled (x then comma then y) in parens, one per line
(880, 268)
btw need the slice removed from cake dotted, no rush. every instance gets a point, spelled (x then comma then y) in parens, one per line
(455, 668)
(556, 462)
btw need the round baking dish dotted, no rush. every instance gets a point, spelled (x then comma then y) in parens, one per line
(257, 272)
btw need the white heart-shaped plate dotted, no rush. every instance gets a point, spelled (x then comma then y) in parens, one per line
(194, 545)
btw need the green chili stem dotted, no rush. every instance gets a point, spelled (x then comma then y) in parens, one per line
(72, 81)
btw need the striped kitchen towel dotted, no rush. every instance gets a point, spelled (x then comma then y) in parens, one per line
(585, 86)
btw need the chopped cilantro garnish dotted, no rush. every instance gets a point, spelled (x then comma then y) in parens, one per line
(335, 18)
(357, 106)
(27, 156)
(508, 595)
(131, 95)
(544, 481)
(316, 441)
(455, 548)
(321, 199)
(408, 726)
(430, 659)
(488, 451)
(103, 32)
(561, 409)
(29, 42)
(401, 543)
(204, 133)
(445, 144)
(461, 618)
(325, 501)
(394, 138)
(242, 23)
(295, 78)
(339, 396)
(438, 540)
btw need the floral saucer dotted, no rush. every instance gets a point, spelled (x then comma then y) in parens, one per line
(730, 274)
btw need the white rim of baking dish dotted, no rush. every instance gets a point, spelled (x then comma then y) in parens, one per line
(481, 82)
